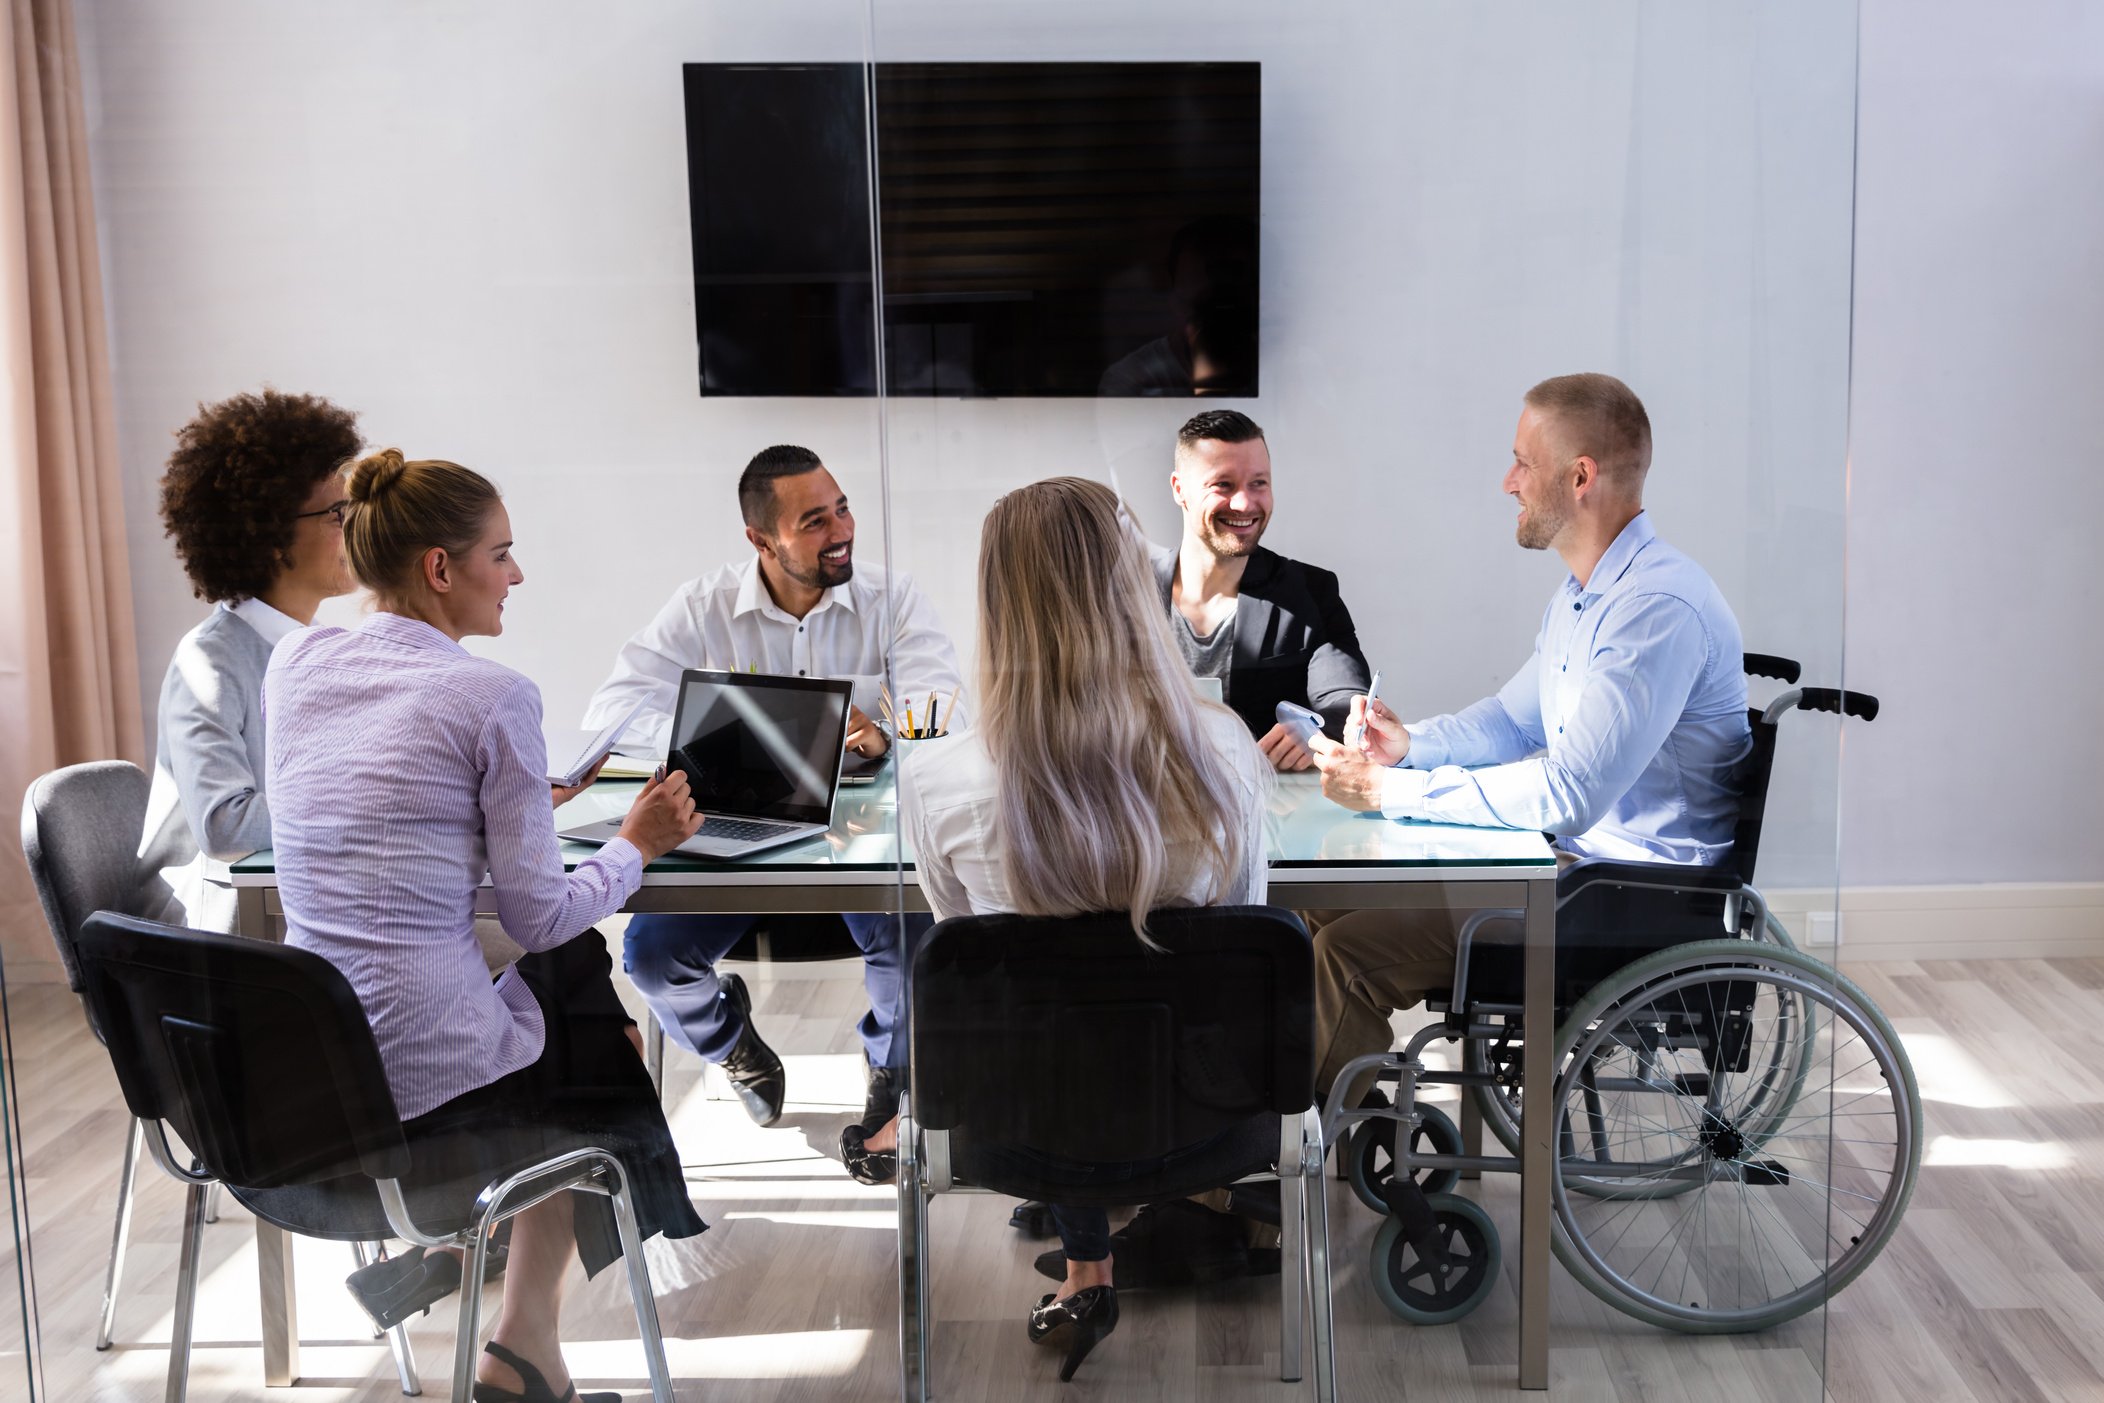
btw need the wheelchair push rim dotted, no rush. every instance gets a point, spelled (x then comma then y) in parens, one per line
(1778, 1213)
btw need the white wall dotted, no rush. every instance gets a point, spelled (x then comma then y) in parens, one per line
(1978, 448)
(469, 221)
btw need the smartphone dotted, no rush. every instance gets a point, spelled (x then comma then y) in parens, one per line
(1304, 725)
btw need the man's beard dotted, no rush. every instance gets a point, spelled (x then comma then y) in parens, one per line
(1537, 528)
(1227, 545)
(821, 575)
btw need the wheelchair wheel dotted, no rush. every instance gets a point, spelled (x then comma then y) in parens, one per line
(1424, 1295)
(1682, 1196)
(1372, 1155)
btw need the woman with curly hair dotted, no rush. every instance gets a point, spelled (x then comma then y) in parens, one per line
(253, 498)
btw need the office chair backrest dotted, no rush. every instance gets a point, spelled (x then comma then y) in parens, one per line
(258, 1054)
(1070, 1036)
(80, 833)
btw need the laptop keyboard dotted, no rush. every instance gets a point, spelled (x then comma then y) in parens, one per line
(738, 830)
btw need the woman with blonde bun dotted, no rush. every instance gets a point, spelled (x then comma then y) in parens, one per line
(402, 769)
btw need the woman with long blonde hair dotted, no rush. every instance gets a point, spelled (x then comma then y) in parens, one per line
(1095, 779)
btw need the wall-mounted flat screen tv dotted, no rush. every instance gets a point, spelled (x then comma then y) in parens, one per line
(1046, 228)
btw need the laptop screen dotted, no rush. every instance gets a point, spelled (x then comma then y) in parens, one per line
(761, 747)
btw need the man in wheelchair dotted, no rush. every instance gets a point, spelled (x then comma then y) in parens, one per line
(1620, 736)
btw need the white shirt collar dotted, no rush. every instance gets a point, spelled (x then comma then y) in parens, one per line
(753, 594)
(271, 623)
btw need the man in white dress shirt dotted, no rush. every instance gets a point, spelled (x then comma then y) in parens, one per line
(799, 608)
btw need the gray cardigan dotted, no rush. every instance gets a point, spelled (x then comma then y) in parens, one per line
(207, 808)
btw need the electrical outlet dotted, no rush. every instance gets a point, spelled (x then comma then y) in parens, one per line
(1822, 928)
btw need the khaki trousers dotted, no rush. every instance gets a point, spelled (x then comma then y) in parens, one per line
(1368, 964)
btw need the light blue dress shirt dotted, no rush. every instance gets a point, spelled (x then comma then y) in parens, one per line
(1622, 735)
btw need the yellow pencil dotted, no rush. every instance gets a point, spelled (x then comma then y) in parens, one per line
(911, 734)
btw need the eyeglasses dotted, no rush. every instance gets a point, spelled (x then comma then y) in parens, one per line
(334, 512)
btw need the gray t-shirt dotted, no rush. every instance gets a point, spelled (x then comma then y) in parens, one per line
(1206, 657)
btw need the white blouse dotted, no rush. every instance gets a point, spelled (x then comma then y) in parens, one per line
(946, 804)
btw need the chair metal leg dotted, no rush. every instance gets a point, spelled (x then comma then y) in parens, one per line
(913, 1264)
(640, 1289)
(467, 1337)
(1318, 1248)
(1293, 1214)
(120, 1237)
(212, 1203)
(397, 1338)
(186, 1294)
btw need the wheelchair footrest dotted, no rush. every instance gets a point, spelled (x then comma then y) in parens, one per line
(1767, 1173)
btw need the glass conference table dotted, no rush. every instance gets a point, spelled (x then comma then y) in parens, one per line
(1322, 857)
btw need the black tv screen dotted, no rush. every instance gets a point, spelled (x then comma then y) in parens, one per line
(1046, 228)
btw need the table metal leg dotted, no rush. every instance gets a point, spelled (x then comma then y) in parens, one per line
(1471, 1129)
(1536, 1118)
(251, 916)
(281, 1329)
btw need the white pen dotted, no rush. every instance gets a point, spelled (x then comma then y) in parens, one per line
(1353, 734)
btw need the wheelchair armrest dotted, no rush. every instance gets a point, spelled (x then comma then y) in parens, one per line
(1644, 876)
(1457, 1014)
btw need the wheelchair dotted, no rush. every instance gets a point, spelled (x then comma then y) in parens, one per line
(1736, 1127)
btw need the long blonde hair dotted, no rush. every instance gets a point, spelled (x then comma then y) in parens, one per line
(1113, 795)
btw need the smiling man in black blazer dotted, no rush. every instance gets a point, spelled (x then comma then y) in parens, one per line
(1271, 629)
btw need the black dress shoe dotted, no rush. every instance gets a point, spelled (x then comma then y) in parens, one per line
(756, 1073)
(1179, 1243)
(1077, 1324)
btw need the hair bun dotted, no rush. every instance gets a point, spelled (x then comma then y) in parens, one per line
(370, 476)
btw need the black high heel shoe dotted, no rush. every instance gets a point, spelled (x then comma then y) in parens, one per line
(537, 1388)
(867, 1166)
(1077, 1324)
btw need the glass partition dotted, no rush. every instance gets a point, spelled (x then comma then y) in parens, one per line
(1369, 238)
(610, 259)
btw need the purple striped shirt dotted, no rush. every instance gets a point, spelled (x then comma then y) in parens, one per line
(402, 769)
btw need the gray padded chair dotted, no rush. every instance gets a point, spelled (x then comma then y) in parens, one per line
(81, 830)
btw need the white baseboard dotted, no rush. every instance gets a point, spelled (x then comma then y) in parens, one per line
(1997, 920)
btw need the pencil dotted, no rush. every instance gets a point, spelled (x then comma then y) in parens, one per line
(884, 705)
(933, 729)
(911, 733)
(950, 705)
(884, 696)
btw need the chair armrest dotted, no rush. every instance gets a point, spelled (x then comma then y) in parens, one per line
(1643, 876)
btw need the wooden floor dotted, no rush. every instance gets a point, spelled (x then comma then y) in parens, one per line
(1993, 1289)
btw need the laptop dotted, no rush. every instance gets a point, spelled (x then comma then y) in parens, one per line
(762, 754)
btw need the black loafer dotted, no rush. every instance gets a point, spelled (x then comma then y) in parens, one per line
(394, 1289)
(756, 1073)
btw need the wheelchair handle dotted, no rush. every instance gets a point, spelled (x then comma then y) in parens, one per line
(1861, 705)
(1769, 665)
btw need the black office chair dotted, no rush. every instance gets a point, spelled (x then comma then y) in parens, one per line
(260, 1057)
(1157, 1050)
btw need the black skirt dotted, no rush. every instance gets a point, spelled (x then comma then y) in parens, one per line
(588, 1087)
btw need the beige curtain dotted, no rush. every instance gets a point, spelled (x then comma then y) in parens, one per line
(69, 686)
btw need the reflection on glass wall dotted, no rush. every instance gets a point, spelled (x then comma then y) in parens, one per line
(1456, 207)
